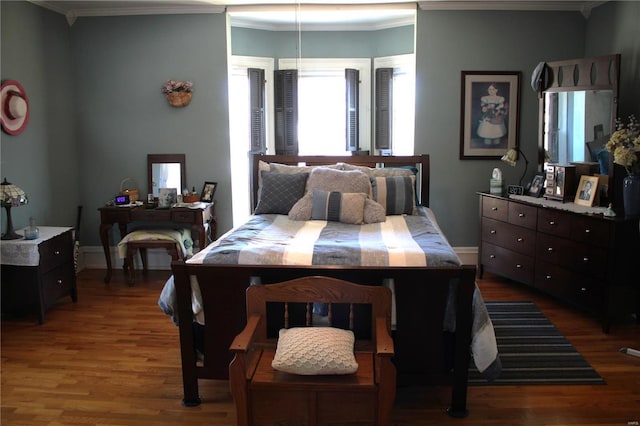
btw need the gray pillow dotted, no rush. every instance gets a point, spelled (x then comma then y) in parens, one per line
(395, 193)
(280, 192)
(338, 206)
(332, 180)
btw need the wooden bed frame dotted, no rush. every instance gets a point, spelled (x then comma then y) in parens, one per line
(425, 355)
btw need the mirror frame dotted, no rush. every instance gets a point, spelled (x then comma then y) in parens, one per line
(166, 158)
(595, 73)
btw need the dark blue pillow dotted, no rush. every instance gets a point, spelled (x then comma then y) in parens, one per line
(280, 191)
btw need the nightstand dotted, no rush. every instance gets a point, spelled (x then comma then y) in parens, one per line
(36, 273)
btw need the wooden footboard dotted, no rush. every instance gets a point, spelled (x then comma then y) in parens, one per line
(424, 353)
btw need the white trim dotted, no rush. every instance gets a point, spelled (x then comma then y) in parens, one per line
(583, 7)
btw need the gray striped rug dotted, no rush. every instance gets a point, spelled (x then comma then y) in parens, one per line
(532, 350)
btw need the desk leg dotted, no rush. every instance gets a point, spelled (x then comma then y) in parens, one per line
(104, 239)
(201, 234)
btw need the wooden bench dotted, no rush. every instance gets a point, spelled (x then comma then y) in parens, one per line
(264, 395)
(133, 246)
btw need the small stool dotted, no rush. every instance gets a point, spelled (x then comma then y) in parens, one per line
(141, 240)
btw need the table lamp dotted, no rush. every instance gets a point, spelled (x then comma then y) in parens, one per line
(511, 158)
(11, 196)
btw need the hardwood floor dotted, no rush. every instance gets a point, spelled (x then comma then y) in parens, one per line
(113, 359)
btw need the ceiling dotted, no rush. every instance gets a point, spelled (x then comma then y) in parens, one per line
(309, 14)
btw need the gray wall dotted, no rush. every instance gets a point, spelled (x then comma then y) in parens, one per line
(97, 110)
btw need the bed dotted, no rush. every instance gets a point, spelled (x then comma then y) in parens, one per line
(329, 226)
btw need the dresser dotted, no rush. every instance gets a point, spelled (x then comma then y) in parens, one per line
(586, 260)
(37, 273)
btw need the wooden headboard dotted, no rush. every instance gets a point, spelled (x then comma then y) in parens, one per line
(421, 162)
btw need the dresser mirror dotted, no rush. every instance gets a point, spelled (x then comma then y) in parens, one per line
(166, 171)
(578, 109)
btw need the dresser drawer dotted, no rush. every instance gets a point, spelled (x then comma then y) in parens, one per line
(554, 222)
(495, 208)
(587, 292)
(553, 279)
(57, 283)
(590, 231)
(509, 236)
(55, 251)
(507, 263)
(570, 254)
(523, 215)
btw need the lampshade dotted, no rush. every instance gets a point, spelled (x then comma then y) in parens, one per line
(511, 158)
(11, 196)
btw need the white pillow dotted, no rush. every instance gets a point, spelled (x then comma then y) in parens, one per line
(315, 350)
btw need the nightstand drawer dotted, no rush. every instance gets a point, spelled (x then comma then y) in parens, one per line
(55, 252)
(57, 283)
(495, 208)
(186, 216)
(152, 215)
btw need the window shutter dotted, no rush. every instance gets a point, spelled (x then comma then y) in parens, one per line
(352, 78)
(384, 107)
(286, 110)
(257, 110)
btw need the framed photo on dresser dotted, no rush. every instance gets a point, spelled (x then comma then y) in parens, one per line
(536, 187)
(587, 190)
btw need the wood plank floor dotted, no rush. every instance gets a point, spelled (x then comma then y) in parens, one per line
(113, 359)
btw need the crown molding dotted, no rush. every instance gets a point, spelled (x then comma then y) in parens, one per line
(583, 7)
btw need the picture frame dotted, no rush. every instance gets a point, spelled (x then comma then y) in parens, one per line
(208, 190)
(489, 113)
(167, 197)
(587, 190)
(536, 187)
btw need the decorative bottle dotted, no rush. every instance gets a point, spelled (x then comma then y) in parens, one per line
(32, 232)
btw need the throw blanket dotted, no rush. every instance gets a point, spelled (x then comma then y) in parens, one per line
(182, 237)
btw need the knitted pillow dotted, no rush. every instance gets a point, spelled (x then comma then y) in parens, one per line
(315, 350)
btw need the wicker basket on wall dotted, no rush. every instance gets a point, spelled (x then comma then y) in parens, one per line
(179, 99)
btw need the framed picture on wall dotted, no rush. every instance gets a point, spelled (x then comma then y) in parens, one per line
(489, 113)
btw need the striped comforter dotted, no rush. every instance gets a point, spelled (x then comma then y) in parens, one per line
(413, 240)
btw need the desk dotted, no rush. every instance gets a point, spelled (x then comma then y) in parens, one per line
(197, 217)
(36, 273)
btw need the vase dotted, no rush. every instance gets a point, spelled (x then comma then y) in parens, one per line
(631, 195)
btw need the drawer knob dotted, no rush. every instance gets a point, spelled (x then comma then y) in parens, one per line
(518, 266)
(586, 231)
(550, 249)
(56, 252)
(59, 281)
(548, 276)
(552, 222)
(583, 289)
(493, 256)
(492, 232)
(520, 239)
(495, 209)
(521, 215)
(585, 259)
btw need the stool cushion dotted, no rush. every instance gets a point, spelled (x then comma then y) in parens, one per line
(182, 237)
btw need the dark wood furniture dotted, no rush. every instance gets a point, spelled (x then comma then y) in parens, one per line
(263, 395)
(35, 288)
(586, 260)
(424, 354)
(196, 218)
(135, 246)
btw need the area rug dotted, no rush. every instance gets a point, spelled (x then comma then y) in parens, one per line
(532, 350)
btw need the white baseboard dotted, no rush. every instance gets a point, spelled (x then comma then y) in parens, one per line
(92, 257)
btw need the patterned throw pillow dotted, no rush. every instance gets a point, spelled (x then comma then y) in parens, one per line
(315, 350)
(395, 193)
(280, 192)
(338, 206)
